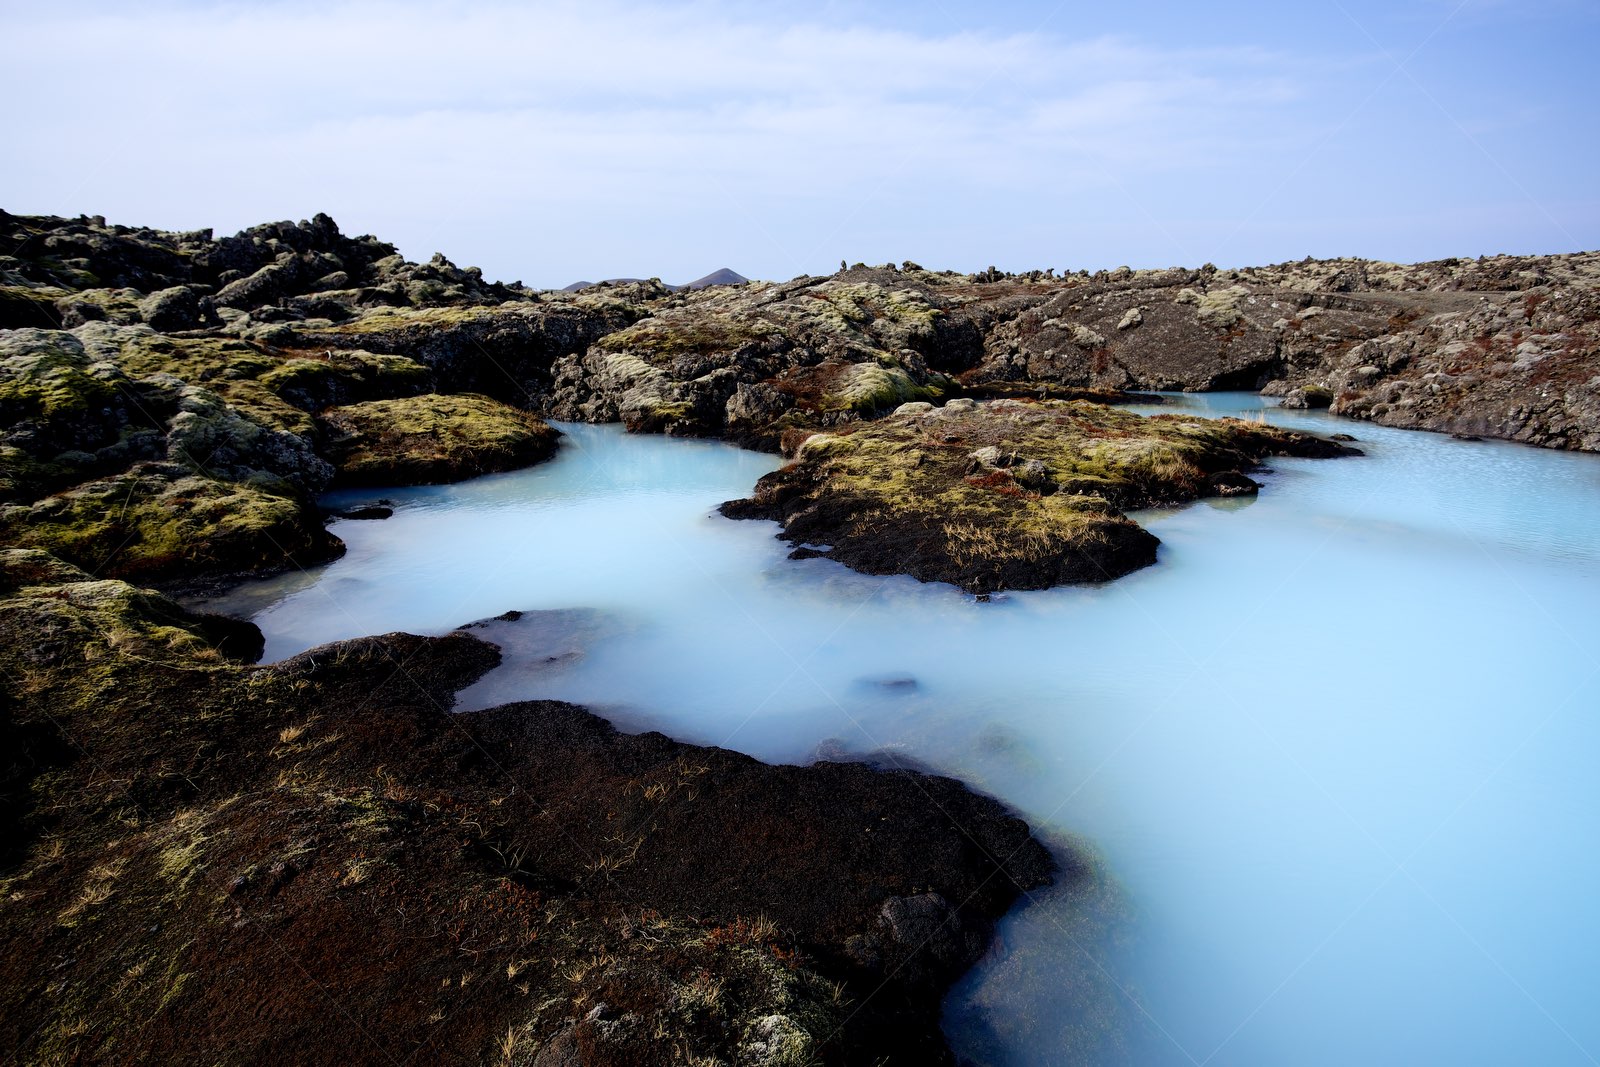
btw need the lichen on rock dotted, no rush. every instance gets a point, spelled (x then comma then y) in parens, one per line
(1007, 494)
(163, 521)
(429, 439)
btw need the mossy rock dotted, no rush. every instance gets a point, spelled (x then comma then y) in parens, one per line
(432, 439)
(21, 307)
(391, 319)
(340, 377)
(20, 567)
(47, 374)
(140, 621)
(141, 351)
(873, 388)
(278, 389)
(117, 306)
(695, 331)
(160, 522)
(25, 478)
(1007, 494)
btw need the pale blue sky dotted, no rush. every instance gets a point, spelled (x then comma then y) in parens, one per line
(556, 141)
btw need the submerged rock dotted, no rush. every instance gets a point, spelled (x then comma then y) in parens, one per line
(367, 512)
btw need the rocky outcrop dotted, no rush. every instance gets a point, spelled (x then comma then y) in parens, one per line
(198, 854)
(1523, 370)
(1007, 494)
(1161, 334)
(262, 266)
(755, 361)
(1503, 346)
(178, 308)
(122, 347)
(159, 521)
(506, 352)
(526, 884)
(1449, 345)
(429, 439)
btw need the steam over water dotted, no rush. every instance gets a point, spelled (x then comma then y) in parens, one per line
(1332, 759)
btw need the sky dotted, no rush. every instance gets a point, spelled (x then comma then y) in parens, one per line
(551, 142)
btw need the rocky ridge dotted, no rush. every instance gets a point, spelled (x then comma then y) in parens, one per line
(138, 359)
(1503, 346)
(170, 404)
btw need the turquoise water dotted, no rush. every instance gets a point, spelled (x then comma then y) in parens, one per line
(1332, 757)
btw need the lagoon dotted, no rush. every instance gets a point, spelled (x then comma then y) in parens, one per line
(1330, 760)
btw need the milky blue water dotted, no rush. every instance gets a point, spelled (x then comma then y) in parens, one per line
(1333, 758)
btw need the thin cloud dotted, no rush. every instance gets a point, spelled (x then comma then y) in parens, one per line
(567, 140)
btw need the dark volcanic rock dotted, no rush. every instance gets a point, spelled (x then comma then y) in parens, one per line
(505, 352)
(178, 308)
(240, 845)
(1007, 494)
(1504, 346)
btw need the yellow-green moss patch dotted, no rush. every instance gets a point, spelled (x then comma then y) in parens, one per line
(157, 521)
(431, 438)
(1007, 494)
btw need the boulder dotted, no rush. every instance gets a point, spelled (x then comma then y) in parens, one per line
(177, 308)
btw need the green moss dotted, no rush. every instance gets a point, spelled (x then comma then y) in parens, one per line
(56, 387)
(1001, 492)
(299, 373)
(661, 339)
(872, 317)
(20, 567)
(433, 438)
(25, 478)
(258, 403)
(119, 618)
(142, 352)
(357, 370)
(662, 412)
(869, 388)
(1220, 307)
(902, 471)
(150, 522)
(866, 303)
(110, 305)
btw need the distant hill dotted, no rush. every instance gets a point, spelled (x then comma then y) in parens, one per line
(725, 276)
(716, 277)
